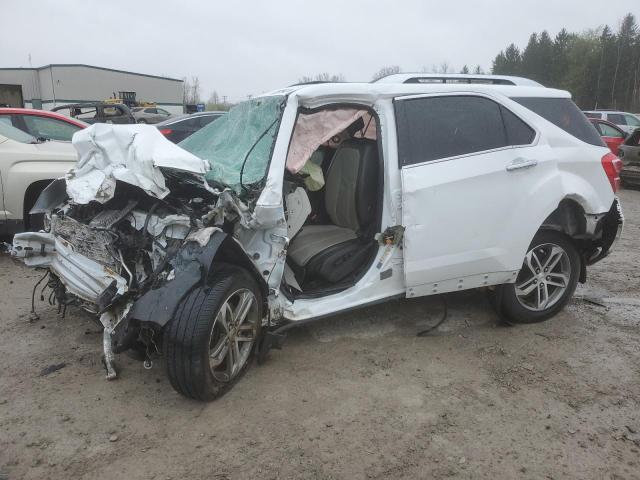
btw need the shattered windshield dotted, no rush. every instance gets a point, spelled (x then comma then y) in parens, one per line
(238, 145)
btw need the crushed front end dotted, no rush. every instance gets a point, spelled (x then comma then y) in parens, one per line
(130, 234)
(105, 257)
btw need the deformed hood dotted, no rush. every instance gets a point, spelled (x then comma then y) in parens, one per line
(128, 153)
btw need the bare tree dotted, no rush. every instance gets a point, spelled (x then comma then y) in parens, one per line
(214, 98)
(386, 71)
(191, 92)
(444, 67)
(195, 90)
(322, 77)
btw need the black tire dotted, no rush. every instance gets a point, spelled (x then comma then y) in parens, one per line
(187, 338)
(513, 310)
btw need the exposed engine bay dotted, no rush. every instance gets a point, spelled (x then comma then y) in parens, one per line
(104, 257)
(130, 249)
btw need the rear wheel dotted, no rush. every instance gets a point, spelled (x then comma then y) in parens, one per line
(209, 343)
(545, 283)
(142, 120)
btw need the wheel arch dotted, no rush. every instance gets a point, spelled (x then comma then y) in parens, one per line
(593, 234)
(568, 218)
(31, 195)
(194, 265)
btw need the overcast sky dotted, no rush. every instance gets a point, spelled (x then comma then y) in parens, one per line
(248, 47)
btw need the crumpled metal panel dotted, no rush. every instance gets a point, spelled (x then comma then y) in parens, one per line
(129, 153)
(81, 276)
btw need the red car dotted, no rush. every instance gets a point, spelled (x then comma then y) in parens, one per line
(612, 135)
(42, 123)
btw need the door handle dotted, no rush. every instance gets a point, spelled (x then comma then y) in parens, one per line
(520, 163)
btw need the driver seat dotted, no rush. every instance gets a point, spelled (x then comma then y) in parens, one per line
(333, 252)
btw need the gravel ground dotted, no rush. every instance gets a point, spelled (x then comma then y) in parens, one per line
(354, 396)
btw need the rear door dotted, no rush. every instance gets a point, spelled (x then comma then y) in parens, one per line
(467, 165)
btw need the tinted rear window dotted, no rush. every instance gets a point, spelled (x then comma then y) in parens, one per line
(563, 113)
(433, 128)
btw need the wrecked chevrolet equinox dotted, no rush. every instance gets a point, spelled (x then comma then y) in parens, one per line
(316, 199)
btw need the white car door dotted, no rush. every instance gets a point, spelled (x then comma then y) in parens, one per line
(467, 167)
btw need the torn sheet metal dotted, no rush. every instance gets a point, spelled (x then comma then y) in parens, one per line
(202, 236)
(110, 320)
(129, 153)
(173, 226)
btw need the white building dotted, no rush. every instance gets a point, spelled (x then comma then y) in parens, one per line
(60, 84)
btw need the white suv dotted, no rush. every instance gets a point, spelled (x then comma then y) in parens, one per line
(626, 121)
(317, 199)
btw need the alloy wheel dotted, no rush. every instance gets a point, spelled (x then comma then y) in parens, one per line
(233, 334)
(544, 277)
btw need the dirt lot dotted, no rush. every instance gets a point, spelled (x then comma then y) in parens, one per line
(355, 396)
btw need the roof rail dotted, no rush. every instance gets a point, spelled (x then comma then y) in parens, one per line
(457, 78)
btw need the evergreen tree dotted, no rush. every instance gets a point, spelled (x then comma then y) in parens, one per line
(600, 68)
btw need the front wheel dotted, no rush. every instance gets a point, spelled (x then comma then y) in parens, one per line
(546, 281)
(210, 340)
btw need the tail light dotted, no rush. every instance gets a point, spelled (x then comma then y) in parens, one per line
(168, 131)
(612, 166)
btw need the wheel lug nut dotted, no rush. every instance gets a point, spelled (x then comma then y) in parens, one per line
(537, 270)
(548, 278)
(535, 281)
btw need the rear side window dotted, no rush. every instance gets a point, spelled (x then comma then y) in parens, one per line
(593, 115)
(563, 113)
(191, 123)
(616, 118)
(206, 120)
(441, 127)
(632, 121)
(518, 132)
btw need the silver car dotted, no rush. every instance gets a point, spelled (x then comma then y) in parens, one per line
(150, 114)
